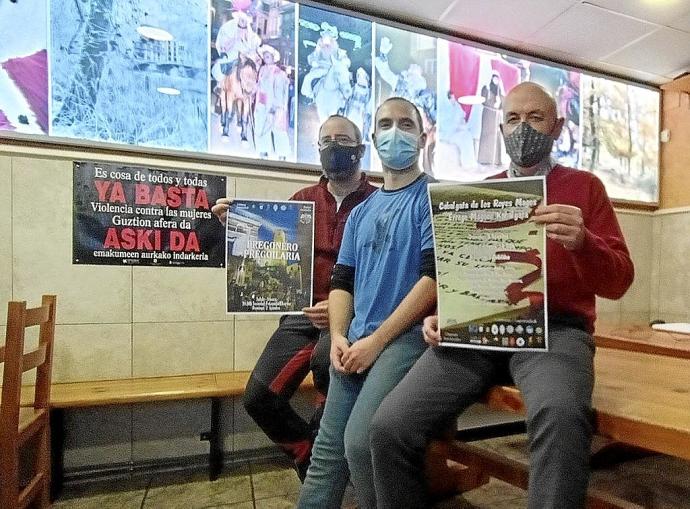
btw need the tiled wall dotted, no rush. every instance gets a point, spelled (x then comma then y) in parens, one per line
(670, 270)
(659, 244)
(118, 322)
(634, 306)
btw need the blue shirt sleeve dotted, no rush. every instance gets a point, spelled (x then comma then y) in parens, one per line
(346, 255)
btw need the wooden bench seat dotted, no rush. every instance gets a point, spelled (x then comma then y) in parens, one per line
(214, 386)
(147, 390)
(642, 338)
(640, 399)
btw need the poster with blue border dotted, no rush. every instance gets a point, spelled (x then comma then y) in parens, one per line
(269, 256)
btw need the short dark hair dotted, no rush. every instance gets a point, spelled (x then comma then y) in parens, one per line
(358, 131)
(418, 115)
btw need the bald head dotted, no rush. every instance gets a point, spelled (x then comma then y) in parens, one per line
(531, 103)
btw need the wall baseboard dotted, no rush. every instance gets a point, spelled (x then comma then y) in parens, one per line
(149, 468)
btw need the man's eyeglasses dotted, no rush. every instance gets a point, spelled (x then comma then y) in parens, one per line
(342, 140)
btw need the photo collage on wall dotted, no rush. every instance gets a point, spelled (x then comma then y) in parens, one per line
(255, 79)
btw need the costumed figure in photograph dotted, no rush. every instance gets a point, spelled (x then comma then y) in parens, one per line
(271, 106)
(328, 82)
(490, 140)
(358, 106)
(320, 60)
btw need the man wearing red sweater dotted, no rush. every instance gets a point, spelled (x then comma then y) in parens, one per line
(587, 256)
(302, 343)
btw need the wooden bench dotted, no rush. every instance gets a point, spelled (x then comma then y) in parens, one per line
(640, 399)
(214, 386)
(642, 338)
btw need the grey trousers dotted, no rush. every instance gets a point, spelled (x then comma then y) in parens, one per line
(557, 390)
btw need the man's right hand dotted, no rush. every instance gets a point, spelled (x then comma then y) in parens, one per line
(318, 314)
(339, 345)
(431, 332)
(220, 209)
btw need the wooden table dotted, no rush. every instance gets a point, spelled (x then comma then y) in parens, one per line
(639, 399)
(643, 399)
(642, 338)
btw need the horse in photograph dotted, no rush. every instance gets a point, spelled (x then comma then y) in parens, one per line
(237, 95)
(333, 90)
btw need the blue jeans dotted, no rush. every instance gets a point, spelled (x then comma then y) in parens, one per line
(342, 445)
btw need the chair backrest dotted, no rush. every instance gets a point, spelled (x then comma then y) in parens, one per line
(16, 362)
(18, 424)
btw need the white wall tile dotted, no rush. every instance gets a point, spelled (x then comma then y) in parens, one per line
(674, 268)
(92, 352)
(42, 225)
(162, 349)
(166, 294)
(637, 229)
(251, 336)
(5, 235)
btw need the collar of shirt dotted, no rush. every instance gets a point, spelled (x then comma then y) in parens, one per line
(542, 169)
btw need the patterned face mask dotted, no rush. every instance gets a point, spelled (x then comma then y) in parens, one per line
(526, 146)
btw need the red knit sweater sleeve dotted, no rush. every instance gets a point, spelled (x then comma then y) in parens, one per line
(603, 262)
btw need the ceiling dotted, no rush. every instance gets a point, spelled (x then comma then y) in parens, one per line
(643, 40)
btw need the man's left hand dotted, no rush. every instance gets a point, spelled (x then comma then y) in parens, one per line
(361, 355)
(563, 223)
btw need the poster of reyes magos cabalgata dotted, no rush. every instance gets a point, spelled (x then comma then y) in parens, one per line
(490, 264)
(130, 215)
(269, 256)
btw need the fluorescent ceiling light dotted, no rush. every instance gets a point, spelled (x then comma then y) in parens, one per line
(157, 34)
(471, 99)
(168, 90)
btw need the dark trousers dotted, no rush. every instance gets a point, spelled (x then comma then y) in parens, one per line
(294, 349)
(557, 390)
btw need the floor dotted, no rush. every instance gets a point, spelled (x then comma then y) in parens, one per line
(654, 482)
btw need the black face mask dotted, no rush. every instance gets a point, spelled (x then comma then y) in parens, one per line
(339, 161)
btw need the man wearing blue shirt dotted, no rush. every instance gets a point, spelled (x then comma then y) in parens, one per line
(382, 286)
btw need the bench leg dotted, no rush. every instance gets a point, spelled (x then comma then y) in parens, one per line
(517, 474)
(57, 452)
(445, 477)
(215, 441)
(609, 453)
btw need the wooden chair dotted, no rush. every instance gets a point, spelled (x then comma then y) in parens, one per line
(18, 424)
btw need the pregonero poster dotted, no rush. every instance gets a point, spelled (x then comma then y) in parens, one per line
(131, 215)
(270, 253)
(490, 264)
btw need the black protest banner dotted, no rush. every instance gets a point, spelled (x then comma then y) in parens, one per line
(129, 215)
